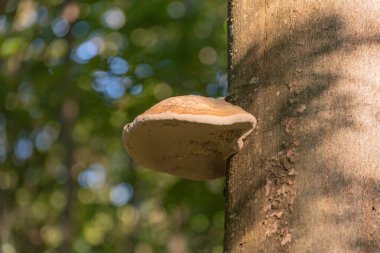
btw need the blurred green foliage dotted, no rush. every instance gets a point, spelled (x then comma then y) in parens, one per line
(72, 73)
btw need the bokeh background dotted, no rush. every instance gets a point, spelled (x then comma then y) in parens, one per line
(72, 73)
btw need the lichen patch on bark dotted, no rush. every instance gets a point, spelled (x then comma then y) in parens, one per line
(280, 195)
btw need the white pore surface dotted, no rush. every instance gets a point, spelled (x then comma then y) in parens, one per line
(186, 145)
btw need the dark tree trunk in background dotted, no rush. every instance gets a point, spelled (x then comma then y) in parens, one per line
(68, 116)
(308, 179)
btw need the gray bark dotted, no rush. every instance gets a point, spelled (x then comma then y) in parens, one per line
(308, 178)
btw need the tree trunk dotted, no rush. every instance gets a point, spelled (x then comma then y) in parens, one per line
(308, 178)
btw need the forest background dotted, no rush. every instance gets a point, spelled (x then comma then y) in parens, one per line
(72, 74)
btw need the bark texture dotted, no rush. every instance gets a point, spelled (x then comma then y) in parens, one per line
(308, 179)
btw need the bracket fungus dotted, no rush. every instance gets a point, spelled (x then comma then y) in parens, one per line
(188, 136)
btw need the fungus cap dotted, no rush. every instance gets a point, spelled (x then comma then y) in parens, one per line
(188, 136)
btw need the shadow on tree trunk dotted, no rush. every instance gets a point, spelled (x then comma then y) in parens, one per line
(285, 85)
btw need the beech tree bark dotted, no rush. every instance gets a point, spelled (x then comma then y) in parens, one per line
(308, 178)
